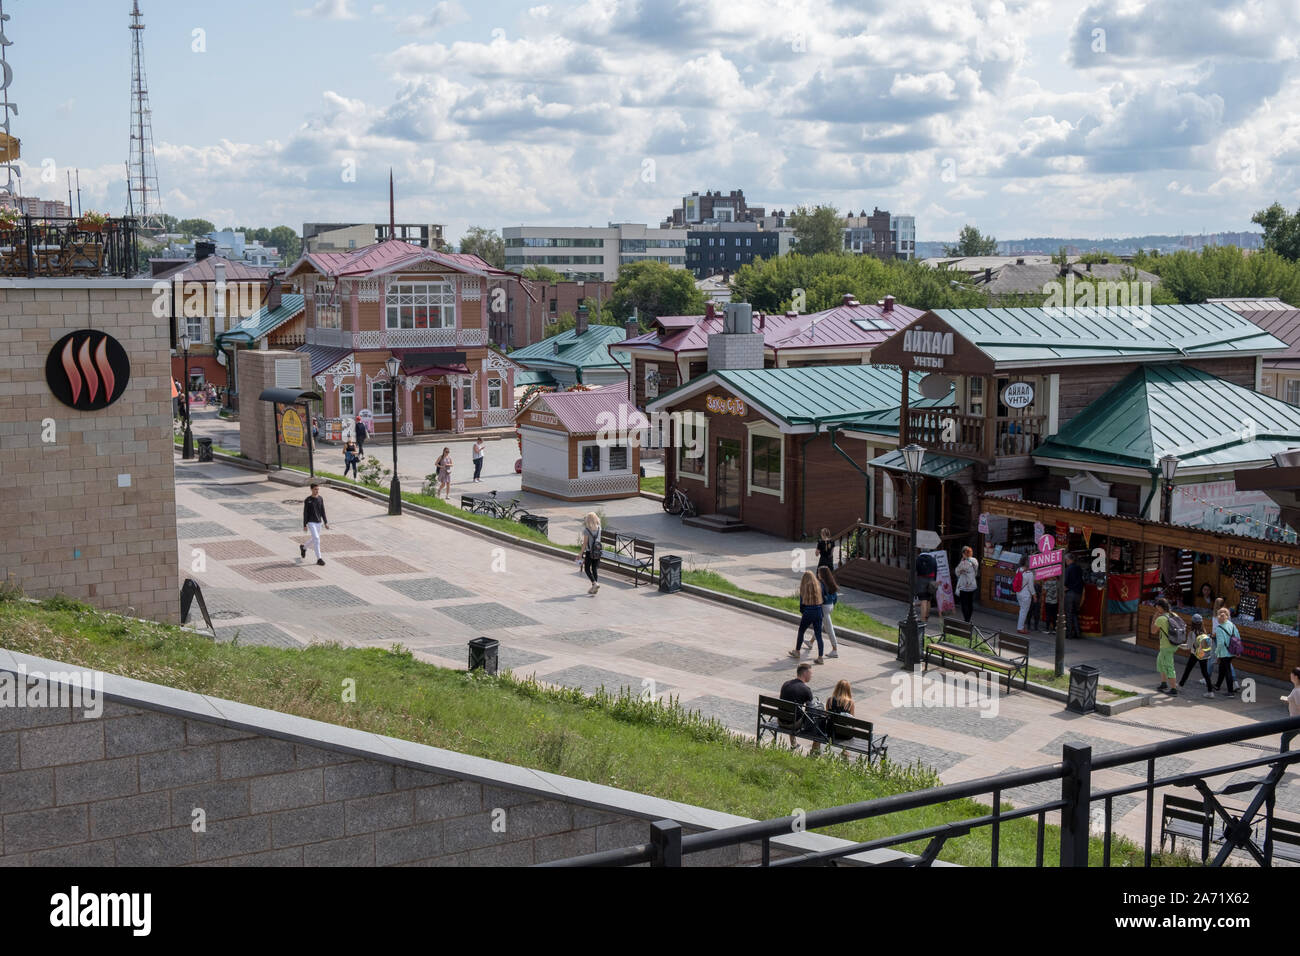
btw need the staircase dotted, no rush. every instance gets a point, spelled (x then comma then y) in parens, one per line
(716, 522)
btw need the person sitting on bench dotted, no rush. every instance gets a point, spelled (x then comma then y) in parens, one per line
(797, 691)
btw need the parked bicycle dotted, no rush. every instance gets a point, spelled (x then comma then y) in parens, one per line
(676, 502)
(507, 511)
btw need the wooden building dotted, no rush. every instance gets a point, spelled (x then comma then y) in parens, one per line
(581, 445)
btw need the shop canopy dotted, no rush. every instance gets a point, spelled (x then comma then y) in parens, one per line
(932, 466)
(1156, 410)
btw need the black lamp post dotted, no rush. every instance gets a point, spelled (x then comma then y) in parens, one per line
(913, 455)
(394, 365)
(187, 439)
(1168, 466)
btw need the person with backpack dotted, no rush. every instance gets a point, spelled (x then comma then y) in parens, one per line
(591, 549)
(1200, 647)
(351, 458)
(1023, 585)
(1170, 635)
(1227, 645)
(927, 573)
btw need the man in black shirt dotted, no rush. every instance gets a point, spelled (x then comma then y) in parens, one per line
(797, 690)
(361, 433)
(1072, 581)
(313, 517)
(927, 586)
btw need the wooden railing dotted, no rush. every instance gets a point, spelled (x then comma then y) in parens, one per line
(944, 430)
(887, 546)
(1018, 435)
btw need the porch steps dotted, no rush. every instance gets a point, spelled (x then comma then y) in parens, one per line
(719, 523)
(864, 575)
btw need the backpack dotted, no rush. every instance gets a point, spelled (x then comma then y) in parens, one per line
(1234, 642)
(1018, 582)
(1177, 630)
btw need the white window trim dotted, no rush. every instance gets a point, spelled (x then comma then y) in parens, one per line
(350, 392)
(500, 384)
(703, 474)
(888, 495)
(383, 382)
(444, 301)
(766, 430)
(1287, 391)
(600, 459)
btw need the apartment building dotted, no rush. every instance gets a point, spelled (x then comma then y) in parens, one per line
(713, 207)
(344, 236)
(880, 234)
(714, 248)
(592, 253)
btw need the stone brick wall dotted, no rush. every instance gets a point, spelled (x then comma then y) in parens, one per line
(70, 523)
(256, 370)
(122, 789)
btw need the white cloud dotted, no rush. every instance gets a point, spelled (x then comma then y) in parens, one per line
(328, 10)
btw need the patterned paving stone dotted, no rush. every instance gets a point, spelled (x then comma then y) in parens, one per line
(589, 638)
(735, 714)
(1165, 766)
(427, 589)
(327, 595)
(226, 491)
(234, 550)
(226, 602)
(907, 752)
(1288, 792)
(280, 524)
(257, 633)
(589, 679)
(509, 658)
(202, 529)
(375, 565)
(330, 542)
(379, 627)
(487, 616)
(684, 658)
(254, 507)
(275, 572)
(1139, 673)
(962, 720)
(183, 513)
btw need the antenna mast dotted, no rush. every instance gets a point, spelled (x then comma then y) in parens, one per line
(144, 196)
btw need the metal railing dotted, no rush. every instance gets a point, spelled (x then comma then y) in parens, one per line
(668, 844)
(47, 246)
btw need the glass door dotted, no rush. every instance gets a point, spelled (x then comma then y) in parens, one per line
(727, 478)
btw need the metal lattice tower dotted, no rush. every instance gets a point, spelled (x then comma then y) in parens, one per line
(145, 200)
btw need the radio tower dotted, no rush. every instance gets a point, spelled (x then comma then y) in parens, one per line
(144, 198)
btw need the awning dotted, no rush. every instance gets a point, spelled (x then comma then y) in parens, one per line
(932, 466)
(434, 371)
(288, 396)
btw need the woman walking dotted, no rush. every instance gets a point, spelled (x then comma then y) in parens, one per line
(1227, 644)
(1200, 644)
(825, 550)
(810, 613)
(443, 467)
(350, 459)
(967, 583)
(478, 458)
(591, 549)
(1023, 585)
(830, 597)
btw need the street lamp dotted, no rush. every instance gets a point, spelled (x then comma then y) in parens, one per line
(1168, 465)
(187, 440)
(913, 455)
(394, 366)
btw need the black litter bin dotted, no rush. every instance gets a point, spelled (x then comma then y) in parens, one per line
(1084, 679)
(483, 654)
(205, 449)
(536, 522)
(670, 573)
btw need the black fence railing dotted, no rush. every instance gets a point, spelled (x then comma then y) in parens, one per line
(1252, 829)
(38, 247)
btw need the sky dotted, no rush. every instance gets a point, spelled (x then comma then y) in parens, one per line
(1024, 117)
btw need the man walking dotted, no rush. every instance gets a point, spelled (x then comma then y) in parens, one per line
(1073, 583)
(478, 458)
(313, 517)
(361, 434)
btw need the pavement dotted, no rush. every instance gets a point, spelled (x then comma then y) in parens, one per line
(432, 587)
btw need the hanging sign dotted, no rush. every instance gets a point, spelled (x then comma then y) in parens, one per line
(1038, 530)
(1046, 543)
(1062, 531)
(1087, 536)
(1018, 395)
(87, 370)
(984, 523)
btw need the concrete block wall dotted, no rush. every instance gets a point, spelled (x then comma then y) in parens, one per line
(123, 788)
(69, 526)
(735, 350)
(256, 370)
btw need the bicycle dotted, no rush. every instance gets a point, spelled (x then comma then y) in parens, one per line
(676, 502)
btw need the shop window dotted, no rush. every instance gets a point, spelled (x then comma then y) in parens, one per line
(651, 382)
(466, 397)
(1293, 391)
(347, 401)
(381, 398)
(765, 462)
(617, 458)
(420, 305)
(590, 458)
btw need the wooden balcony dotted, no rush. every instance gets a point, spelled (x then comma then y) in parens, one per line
(973, 436)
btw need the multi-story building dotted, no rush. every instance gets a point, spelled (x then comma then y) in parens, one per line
(880, 234)
(37, 208)
(713, 207)
(592, 252)
(345, 236)
(520, 316)
(424, 307)
(718, 247)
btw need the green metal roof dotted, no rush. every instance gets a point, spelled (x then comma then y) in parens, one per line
(932, 465)
(817, 393)
(264, 321)
(589, 350)
(530, 376)
(1045, 334)
(1158, 410)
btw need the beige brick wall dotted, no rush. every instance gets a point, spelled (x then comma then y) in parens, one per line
(256, 370)
(68, 526)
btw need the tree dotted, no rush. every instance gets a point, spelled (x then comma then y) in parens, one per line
(818, 230)
(972, 243)
(598, 313)
(195, 227)
(542, 274)
(654, 289)
(486, 244)
(285, 239)
(1281, 231)
(1225, 272)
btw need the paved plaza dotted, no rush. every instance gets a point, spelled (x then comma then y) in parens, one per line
(432, 588)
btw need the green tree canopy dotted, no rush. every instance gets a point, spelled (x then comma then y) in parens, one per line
(654, 289)
(1220, 272)
(486, 244)
(971, 242)
(542, 274)
(1281, 231)
(195, 227)
(818, 229)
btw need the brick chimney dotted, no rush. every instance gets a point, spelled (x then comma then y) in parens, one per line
(580, 319)
(631, 329)
(888, 304)
(738, 345)
(708, 311)
(274, 291)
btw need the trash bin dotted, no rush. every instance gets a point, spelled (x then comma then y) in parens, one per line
(1084, 679)
(670, 573)
(483, 653)
(205, 449)
(536, 522)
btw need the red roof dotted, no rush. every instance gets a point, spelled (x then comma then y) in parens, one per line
(845, 326)
(389, 256)
(581, 413)
(1283, 323)
(204, 271)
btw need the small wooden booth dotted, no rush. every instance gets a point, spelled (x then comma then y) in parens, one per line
(1122, 558)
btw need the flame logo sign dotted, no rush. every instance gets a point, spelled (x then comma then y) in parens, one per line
(87, 370)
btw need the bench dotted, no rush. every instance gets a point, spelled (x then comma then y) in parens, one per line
(1010, 656)
(1187, 818)
(777, 716)
(1284, 838)
(627, 551)
(965, 631)
(469, 502)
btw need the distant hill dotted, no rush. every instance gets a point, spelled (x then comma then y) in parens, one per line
(1049, 245)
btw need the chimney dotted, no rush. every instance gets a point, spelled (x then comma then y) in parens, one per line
(1089, 266)
(274, 291)
(762, 321)
(708, 311)
(846, 298)
(889, 303)
(738, 345)
(1020, 262)
(204, 249)
(580, 319)
(631, 328)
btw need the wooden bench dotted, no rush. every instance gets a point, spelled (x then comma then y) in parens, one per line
(965, 631)
(627, 551)
(777, 716)
(1187, 818)
(1284, 837)
(1010, 656)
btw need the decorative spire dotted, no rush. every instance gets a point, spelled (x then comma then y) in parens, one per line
(392, 209)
